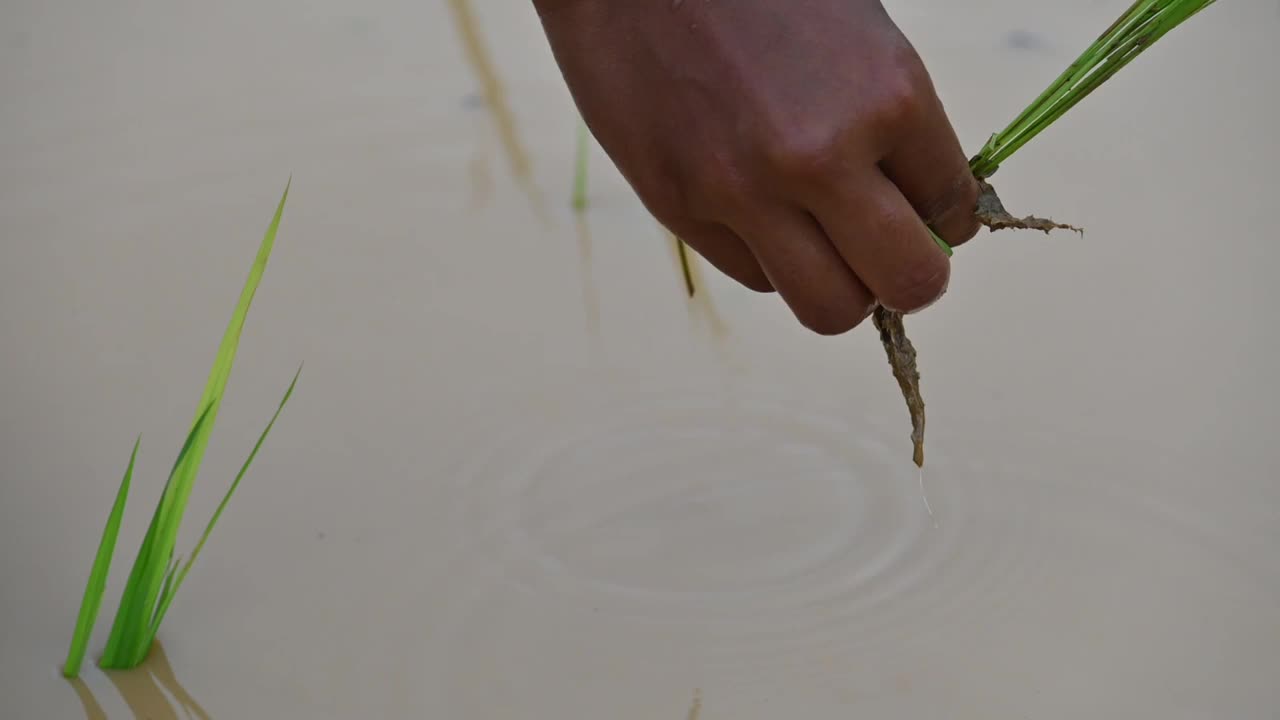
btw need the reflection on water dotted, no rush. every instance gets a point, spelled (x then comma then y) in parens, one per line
(495, 95)
(590, 294)
(695, 709)
(162, 670)
(151, 690)
(481, 179)
(92, 710)
(924, 495)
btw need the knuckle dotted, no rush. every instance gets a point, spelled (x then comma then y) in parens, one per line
(668, 202)
(831, 319)
(665, 187)
(918, 285)
(717, 184)
(901, 95)
(804, 152)
(724, 193)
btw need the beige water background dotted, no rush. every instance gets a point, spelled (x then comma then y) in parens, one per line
(523, 477)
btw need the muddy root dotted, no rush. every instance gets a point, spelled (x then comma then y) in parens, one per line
(902, 354)
(902, 359)
(991, 213)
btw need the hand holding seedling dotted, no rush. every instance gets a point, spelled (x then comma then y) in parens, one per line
(800, 147)
(797, 145)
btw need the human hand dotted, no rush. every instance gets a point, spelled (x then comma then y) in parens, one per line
(797, 145)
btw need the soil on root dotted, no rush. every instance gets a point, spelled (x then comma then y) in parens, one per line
(990, 212)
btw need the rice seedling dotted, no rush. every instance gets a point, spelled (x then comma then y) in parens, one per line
(495, 92)
(1137, 29)
(157, 575)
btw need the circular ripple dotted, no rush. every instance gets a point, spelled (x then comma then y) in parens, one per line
(693, 504)
(779, 539)
(756, 518)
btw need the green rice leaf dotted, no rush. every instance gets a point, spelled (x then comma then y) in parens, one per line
(941, 243)
(97, 584)
(171, 514)
(1145, 22)
(134, 612)
(168, 578)
(166, 596)
(132, 633)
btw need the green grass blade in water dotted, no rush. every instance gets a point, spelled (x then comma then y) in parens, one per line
(168, 579)
(171, 589)
(171, 516)
(97, 584)
(134, 613)
(131, 634)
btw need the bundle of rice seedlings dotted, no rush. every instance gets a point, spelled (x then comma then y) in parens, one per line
(1144, 23)
(157, 574)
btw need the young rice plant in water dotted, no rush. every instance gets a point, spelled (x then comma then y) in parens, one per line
(157, 575)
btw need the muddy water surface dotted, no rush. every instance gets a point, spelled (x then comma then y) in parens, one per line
(524, 476)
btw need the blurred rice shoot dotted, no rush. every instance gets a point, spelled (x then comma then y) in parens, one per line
(579, 200)
(580, 167)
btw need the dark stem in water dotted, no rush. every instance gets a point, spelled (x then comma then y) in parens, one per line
(902, 358)
(684, 266)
